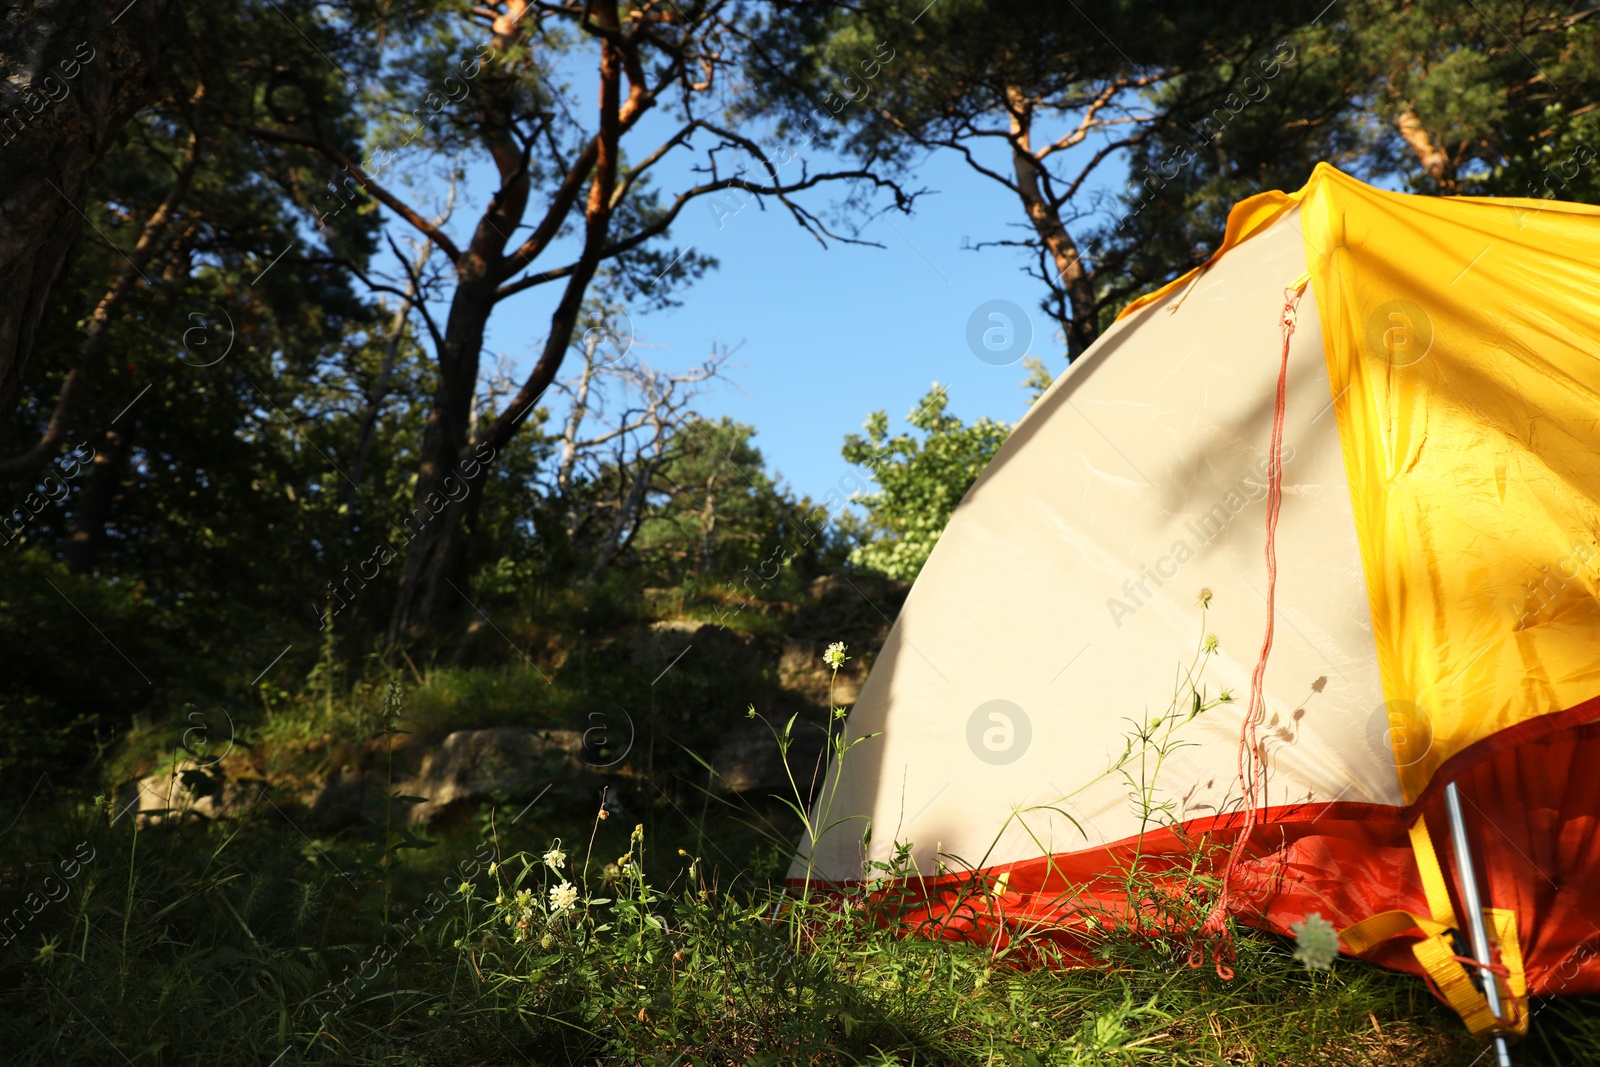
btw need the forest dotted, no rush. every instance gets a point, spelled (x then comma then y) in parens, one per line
(405, 657)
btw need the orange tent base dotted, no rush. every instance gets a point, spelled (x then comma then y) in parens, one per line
(1534, 808)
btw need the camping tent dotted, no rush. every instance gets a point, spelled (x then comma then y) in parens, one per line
(1428, 545)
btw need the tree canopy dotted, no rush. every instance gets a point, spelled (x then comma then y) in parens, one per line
(255, 250)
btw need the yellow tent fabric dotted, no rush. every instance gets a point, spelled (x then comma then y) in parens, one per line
(1463, 346)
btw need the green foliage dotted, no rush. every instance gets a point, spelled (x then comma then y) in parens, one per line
(204, 942)
(83, 660)
(719, 509)
(1500, 90)
(954, 62)
(711, 516)
(920, 481)
(1499, 93)
(212, 513)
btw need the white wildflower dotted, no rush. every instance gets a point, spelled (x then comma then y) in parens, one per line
(835, 656)
(555, 859)
(563, 897)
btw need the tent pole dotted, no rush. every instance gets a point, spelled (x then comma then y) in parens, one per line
(1474, 907)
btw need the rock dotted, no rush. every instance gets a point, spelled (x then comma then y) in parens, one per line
(473, 764)
(801, 668)
(672, 641)
(340, 801)
(850, 606)
(748, 759)
(190, 788)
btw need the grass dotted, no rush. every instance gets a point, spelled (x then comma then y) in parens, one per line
(213, 943)
(659, 935)
(244, 941)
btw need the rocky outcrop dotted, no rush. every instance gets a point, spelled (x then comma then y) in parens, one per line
(467, 766)
(189, 788)
(749, 760)
(663, 645)
(800, 668)
(472, 765)
(858, 609)
(694, 679)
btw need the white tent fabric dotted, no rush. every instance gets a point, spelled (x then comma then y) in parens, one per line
(1062, 600)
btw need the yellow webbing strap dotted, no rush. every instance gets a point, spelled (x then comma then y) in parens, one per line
(1503, 921)
(1433, 883)
(1436, 950)
(1368, 934)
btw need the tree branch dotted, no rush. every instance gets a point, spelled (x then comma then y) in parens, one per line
(98, 333)
(382, 195)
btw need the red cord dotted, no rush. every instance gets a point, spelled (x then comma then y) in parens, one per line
(1251, 767)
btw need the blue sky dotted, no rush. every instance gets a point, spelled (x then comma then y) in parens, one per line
(828, 335)
(825, 335)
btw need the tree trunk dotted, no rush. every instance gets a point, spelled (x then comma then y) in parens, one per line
(76, 72)
(379, 391)
(1072, 277)
(448, 477)
(432, 584)
(575, 417)
(1430, 155)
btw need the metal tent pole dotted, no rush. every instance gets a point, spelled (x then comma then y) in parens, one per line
(1474, 907)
